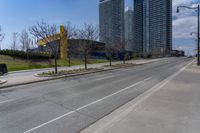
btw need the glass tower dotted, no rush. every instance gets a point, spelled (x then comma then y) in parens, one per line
(129, 17)
(111, 22)
(153, 26)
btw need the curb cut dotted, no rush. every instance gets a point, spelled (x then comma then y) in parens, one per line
(2, 81)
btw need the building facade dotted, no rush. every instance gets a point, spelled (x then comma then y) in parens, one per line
(129, 34)
(71, 47)
(111, 21)
(153, 26)
(138, 26)
(75, 48)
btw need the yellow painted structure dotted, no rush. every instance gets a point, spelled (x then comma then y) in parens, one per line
(43, 42)
(63, 42)
(62, 36)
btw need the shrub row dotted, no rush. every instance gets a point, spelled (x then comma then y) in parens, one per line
(23, 55)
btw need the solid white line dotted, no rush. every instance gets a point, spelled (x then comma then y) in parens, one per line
(105, 78)
(44, 124)
(85, 106)
(113, 94)
(6, 101)
(142, 98)
(123, 70)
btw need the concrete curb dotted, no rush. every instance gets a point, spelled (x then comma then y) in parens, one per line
(2, 81)
(54, 76)
(61, 77)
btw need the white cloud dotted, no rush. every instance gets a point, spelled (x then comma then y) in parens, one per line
(186, 21)
(182, 27)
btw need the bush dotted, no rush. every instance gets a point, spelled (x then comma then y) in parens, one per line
(135, 56)
(127, 56)
(23, 55)
(149, 55)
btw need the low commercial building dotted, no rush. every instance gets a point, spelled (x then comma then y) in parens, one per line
(177, 53)
(75, 48)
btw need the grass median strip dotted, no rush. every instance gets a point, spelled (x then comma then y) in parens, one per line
(66, 72)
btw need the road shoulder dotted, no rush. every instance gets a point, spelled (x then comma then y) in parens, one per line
(170, 106)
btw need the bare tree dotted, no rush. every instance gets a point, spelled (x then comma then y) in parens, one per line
(2, 35)
(14, 43)
(88, 34)
(71, 30)
(122, 49)
(47, 34)
(26, 42)
(72, 33)
(109, 50)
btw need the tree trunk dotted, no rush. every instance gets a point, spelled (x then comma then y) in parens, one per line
(69, 59)
(124, 60)
(27, 56)
(110, 60)
(56, 66)
(85, 62)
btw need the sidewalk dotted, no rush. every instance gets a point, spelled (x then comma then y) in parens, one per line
(22, 77)
(171, 107)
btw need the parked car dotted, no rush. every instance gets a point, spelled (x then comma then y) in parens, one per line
(3, 69)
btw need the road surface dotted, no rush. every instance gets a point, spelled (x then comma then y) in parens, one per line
(70, 105)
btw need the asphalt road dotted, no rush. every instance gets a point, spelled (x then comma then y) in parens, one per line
(70, 105)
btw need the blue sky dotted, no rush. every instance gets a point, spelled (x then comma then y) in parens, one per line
(16, 15)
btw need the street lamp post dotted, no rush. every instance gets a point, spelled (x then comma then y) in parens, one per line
(195, 39)
(198, 32)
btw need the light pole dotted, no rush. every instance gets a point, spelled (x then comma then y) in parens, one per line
(198, 32)
(195, 39)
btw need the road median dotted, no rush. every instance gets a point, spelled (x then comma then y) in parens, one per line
(49, 78)
(26, 78)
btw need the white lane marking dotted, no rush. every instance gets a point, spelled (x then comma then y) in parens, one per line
(142, 98)
(6, 101)
(103, 75)
(123, 70)
(85, 106)
(113, 94)
(105, 78)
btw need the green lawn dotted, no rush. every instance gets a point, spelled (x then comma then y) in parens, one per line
(18, 64)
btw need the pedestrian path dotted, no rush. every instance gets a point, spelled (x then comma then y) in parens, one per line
(194, 68)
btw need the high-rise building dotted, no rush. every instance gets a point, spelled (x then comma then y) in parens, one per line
(153, 26)
(138, 26)
(111, 21)
(129, 34)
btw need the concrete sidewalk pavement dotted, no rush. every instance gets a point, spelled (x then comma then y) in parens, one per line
(22, 77)
(172, 106)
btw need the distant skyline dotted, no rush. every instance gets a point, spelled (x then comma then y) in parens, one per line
(16, 15)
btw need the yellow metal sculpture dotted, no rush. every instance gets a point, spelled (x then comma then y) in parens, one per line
(62, 36)
(63, 42)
